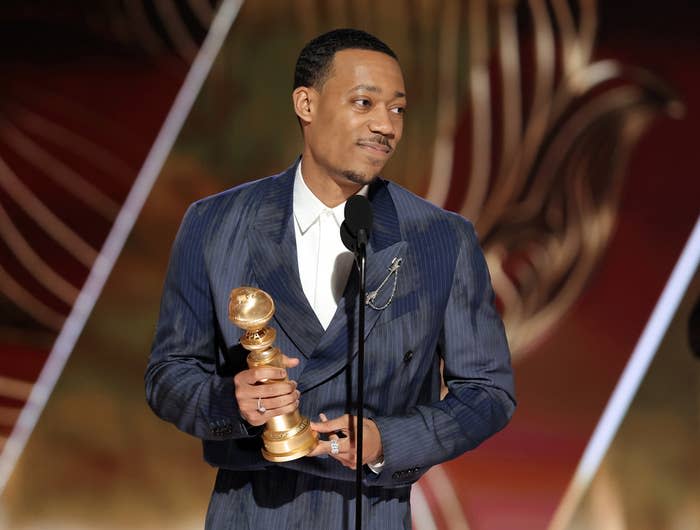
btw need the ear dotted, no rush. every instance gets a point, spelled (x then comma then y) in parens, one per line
(304, 100)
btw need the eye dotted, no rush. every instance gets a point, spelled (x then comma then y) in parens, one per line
(398, 110)
(363, 103)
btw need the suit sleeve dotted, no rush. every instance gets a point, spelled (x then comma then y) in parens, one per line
(477, 372)
(182, 385)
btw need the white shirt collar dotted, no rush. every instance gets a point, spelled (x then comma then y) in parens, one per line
(307, 207)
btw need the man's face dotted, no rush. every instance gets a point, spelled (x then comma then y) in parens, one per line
(356, 120)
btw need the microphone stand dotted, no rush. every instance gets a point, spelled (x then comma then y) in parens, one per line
(354, 232)
(359, 430)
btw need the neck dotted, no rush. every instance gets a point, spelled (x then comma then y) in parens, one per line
(329, 190)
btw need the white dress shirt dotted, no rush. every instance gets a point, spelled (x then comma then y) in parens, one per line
(324, 262)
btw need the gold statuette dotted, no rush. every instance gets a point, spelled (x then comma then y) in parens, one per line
(287, 436)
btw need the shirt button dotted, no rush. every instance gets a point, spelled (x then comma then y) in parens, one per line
(408, 356)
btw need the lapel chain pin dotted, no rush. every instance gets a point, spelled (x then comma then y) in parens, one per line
(372, 295)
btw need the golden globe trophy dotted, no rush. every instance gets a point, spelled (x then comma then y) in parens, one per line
(287, 436)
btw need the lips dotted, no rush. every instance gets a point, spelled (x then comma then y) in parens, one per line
(378, 148)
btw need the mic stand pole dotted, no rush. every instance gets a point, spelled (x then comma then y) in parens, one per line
(361, 262)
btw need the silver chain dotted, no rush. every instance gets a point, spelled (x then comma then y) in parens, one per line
(372, 295)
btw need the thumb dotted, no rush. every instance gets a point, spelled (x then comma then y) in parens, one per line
(289, 362)
(336, 424)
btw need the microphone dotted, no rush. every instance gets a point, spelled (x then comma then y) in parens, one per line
(355, 230)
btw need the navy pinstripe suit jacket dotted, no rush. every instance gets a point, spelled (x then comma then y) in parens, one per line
(442, 309)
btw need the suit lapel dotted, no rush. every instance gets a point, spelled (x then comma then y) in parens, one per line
(338, 346)
(274, 260)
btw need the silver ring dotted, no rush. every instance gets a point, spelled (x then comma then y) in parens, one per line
(261, 409)
(335, 447)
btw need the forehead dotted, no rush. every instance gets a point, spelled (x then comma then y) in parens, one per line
(351, 68)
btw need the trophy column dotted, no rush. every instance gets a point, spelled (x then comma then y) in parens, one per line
(287, 436)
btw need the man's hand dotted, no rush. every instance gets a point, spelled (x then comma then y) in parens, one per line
(372, 449)
(253, 390)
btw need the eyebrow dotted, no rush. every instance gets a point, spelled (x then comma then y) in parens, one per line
(376, 89)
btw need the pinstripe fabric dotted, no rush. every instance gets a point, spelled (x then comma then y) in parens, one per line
(242, 500)
(442, 307)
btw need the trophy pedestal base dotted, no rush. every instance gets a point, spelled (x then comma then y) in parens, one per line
(279, 446)
(292, 455)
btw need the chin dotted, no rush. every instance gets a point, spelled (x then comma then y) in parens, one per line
(358, 177)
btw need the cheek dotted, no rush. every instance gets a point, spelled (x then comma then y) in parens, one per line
(325, 140)
(337, 140)
(398, 128)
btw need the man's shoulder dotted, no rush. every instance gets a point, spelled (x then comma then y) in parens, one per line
(232, 210)
(431, 230)
(240, 192)
(414, 208)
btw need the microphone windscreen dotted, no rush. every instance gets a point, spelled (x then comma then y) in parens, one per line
(358, 215)
(347, 238)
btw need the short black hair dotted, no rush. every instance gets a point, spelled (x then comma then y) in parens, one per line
(316, 57)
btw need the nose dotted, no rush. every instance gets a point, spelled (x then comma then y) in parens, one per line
(382, 123)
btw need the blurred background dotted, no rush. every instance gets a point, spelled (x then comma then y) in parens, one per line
(565, 130)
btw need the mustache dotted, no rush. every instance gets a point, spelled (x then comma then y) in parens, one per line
(376, 139)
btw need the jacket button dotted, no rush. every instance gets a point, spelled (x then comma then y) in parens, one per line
(408, 356)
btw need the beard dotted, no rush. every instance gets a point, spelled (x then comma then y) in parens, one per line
(358, 178)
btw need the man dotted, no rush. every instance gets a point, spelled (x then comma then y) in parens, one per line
(431, 301)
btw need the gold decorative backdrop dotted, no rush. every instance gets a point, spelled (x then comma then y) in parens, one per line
(540, 120)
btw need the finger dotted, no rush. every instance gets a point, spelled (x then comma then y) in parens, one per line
(269, 390)
(255, 417)
(325, 448)
(322, 448)
(274, 389)
(262, 374)
(283, 410)
(247, 395)
(345, 451)
(346, 458)
(279, 401)
(333, 435)
(347, 454)
(341, 423)
(289, 362)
